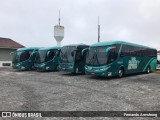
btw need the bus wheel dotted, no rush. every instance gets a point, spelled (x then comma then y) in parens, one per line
(148, 70)
(32, 67)
(120, 73)
(57, 68)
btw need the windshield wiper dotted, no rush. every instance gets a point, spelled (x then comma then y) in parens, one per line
(97, 58)
(64, 57)
(92, 60)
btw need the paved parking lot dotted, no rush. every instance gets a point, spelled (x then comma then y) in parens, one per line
(57, 91)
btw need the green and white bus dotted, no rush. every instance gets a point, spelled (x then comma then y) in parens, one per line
(71, 58)
(117, 58)
(47, 59)
(24, 58)
(158, 60)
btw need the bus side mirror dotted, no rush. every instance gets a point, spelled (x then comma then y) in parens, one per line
(84, 51)
(34, 53)
(58, 52)
(48, 53)
(12, 53)
(109, 49)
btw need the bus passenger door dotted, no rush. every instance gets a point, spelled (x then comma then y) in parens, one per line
(79, 62)
(112, 56)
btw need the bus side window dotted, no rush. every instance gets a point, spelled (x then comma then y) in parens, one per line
(124, 51)
(112, 55)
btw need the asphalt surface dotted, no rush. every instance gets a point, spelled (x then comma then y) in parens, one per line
(58, 91)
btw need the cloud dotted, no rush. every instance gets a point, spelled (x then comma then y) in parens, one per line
(31, 22)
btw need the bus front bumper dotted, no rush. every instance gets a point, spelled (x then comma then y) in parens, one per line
(19, 66)
(98, 71)
(44, 67)
(66, 68)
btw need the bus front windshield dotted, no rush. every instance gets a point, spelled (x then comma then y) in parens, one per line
(158, 58)
(21, 56)
(96, 56)
(45, 55)
(66, 54)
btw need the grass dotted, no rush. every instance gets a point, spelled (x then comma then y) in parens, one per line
(157, 71)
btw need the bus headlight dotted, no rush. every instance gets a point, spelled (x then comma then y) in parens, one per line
(23, 68)
(47, 68)
(70, 66)
(103, 69)
(17, 65)
(88, 68)
(96, 69)
(42, 65)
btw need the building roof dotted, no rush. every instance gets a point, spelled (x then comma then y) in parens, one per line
(29, 48)
(9, 43)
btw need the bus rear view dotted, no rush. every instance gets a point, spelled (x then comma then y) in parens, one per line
(117, 58)
(24, 58)
(71, 58)
(47, 59)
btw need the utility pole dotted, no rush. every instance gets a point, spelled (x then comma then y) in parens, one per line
(59, 20)
(98, 30)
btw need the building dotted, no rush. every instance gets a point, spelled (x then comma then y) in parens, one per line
(6, 47)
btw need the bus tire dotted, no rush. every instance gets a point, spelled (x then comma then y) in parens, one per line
(120, 72)
(32, 67)
(148, 70)
(57, 68)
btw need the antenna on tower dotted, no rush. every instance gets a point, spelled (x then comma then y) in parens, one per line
(59, 18)
(98, 30)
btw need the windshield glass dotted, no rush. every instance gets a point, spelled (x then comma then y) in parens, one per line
(45, 55)
(20, 56)
(96, 56)
(65, 54)
(158, 57)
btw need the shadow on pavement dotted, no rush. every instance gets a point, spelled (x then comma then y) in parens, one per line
(71, 74)
(113, 78)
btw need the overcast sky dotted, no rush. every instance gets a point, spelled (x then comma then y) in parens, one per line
(31, 22)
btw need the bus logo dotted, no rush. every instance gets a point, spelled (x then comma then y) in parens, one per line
(133, 63)
(6, 114)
